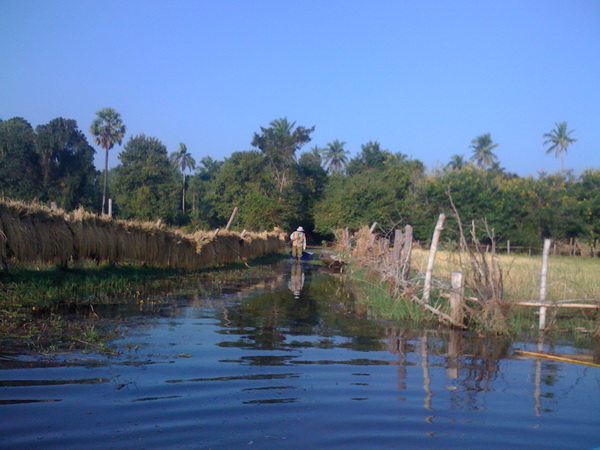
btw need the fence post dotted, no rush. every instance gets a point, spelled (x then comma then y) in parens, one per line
(235, 210)
(432, 252)
(542, 323)
(508, 247)
(457, 298)
(398, 243)
(407, 251)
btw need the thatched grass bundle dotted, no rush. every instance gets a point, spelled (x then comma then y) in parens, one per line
(31, 233)
(34, 233)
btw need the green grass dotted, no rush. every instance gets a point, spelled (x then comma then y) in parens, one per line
(34, 301)
(381, 303)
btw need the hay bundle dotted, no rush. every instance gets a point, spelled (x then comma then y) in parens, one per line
(34, 233)
(31, 233)
(205, 248)
(366, 246)
(3, 247)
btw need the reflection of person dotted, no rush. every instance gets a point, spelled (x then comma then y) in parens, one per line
(297, 280)
(298, 242)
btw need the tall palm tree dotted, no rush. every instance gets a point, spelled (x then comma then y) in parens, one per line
(560, 139)
(183, 161)
(335, 156)
(482, 150)
(108, 130)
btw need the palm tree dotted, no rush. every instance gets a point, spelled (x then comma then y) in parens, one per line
(335, 156)
(560, 139)
(482, 150)
(108, 130)
(183, 161)
(457, 162)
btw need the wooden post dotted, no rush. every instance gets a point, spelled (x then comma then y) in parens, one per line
(432, 252)
(407, 251)
(542, 323)
(398, 244)
(110, 207)
(426, 376)
(235, 210)
(454, 353)
(508, 247)
(373, 227)
(457, 297)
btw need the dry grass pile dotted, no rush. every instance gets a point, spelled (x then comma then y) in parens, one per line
(34, 233)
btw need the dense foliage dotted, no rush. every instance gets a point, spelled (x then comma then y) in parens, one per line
(320, 189)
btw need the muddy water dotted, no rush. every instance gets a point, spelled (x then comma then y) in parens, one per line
(295, 364)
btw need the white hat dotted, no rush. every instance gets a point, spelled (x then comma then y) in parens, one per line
(300, 229)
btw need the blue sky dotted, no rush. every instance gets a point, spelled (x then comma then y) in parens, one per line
(421, 77)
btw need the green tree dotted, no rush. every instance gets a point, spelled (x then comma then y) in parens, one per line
(200, 192)
(20, 169)
(246, 181)
(279, 143)
(377, 194)
(183, 161)
(108, 130)
(457, 162)
(371, 155)
(482, 147)
(67, 164)
(588, 196)
(560, 139)
(146, 186)
(335, 156)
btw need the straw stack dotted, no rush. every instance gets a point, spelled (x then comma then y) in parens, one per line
(32, 233)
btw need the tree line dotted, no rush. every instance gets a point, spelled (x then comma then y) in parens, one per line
(279, 183)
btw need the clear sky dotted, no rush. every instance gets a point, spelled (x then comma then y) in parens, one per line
(422, 77)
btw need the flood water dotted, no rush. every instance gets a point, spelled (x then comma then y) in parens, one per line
(296, 363)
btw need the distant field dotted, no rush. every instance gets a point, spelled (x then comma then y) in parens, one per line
(568, 278)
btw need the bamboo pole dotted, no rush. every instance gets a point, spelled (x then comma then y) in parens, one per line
(559, 305)
(235, 210)
(556, 358)
(544, 276)
(432, 252)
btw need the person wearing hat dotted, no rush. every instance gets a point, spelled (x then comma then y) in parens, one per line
(298, 242)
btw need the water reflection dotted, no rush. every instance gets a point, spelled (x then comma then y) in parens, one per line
(296, 279)
(298, 353)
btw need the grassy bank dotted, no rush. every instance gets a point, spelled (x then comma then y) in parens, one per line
(568, 278)
(48, 308)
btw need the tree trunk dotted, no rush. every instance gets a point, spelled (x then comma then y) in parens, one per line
(183, 194)
(105, 178)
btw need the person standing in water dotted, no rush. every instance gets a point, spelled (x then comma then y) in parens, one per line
(298, 243)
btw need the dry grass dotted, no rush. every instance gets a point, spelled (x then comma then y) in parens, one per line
(568, 278)
(33, 233)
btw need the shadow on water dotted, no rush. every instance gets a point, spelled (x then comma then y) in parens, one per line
(294, 362)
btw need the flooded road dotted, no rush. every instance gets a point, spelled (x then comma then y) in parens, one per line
(296, 364)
